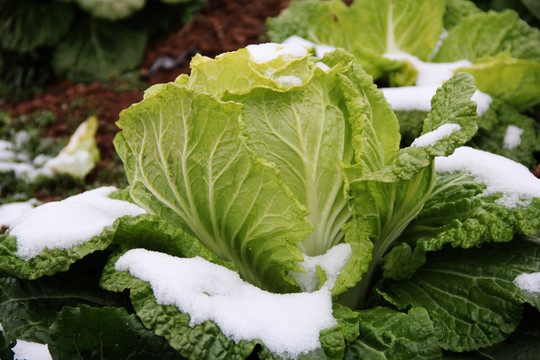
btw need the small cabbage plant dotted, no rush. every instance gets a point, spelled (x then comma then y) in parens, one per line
(283, 220)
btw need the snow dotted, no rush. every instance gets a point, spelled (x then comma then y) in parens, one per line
(410, 98)
(24, 171)
(430, 77)
(322, 66)
(442, 37)
(431, 138)
(262, 53)
(68, 223)
(500, 175)
(288, 324)
(25, 350)
(28, 170)
(320, 50)
(10, 212)
(6, 151)
(331, 262)
(512, 137)
(430, 73)
(528, 282)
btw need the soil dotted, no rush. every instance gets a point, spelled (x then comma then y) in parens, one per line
(222, 25)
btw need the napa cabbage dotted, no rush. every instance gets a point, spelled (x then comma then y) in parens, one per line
(278, 216)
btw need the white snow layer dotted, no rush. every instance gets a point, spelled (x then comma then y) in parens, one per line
(68, 223)
(528, 282)
(288, 324)
(501, 175)
(429, 73)
(431, 138)
(320, 50)
(512, 137)
(410, 98)
(262, 53)
(25, 350)
(10, 212)
(430, 76)
(331, 262)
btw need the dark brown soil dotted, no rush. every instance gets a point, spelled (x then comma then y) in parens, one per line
(222, 25)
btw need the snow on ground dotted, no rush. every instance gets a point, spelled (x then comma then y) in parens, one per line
(288, 324)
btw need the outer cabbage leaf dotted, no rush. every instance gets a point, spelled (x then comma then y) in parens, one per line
(104, 333)
(29, 307)
(204, 341)
(52, 260)
(513, 80)
(488, 34)
(152, 233)
(388, 334)
(457, 216)
(98, 50)
(49, 262)
(335, 340)
(387, 199)
(469, 294)
(187, 161)
(368, 29)
(521, 344)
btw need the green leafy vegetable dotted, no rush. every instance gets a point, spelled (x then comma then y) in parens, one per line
(104, 333)
(469, 294)
(98, 50)
(390, 334)
(84, 40)
(270, 168)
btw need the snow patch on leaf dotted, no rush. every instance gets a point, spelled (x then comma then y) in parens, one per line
(431, 138)
(528, 282)
(512, 137)
(266, 52)
(501, 175)
(68, 223)
(288, 324)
